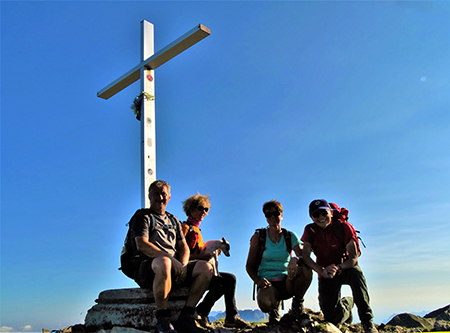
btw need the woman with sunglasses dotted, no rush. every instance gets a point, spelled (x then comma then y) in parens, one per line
(196, 208)
(277, 274)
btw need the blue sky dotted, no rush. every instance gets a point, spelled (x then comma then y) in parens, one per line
(292, 101)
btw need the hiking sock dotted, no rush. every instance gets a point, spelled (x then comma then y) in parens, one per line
(297, 305)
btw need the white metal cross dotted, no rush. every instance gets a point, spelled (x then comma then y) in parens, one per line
(145, 72)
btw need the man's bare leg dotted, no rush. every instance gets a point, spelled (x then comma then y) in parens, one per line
(162, 282)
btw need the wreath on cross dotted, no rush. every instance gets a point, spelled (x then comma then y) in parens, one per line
(137, 103)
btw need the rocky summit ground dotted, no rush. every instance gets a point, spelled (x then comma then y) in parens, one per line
(313, 322)
(436, 321)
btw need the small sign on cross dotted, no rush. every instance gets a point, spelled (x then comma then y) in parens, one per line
(145, 72)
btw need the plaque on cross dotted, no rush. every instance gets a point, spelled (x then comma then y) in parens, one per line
(145, 72)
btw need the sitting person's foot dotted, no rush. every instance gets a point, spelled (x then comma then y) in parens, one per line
(164, 326)
(186, 322)
(203, 321)
(236, 322)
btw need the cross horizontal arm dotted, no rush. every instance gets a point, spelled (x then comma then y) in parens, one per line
(181, 44)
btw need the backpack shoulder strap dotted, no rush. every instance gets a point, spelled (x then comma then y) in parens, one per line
(189, 226)
(287, 239)
(172, 219)
(262, 232)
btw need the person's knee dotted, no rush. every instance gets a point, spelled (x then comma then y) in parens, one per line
(203, 268)
(267, 299)
(264, 304)
(229, 276)
(162, 266)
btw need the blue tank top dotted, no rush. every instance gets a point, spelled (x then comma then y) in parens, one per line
(275, 258)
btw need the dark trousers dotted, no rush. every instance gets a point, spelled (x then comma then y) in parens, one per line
(223, 284)
(333, 308)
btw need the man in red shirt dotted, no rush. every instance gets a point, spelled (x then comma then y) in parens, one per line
(334, 244)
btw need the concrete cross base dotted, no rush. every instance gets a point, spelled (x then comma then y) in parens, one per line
(133, 308)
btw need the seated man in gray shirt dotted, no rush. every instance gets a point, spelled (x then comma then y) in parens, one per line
(161, 261)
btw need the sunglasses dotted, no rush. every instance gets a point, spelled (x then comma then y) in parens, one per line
(270, 214)
(201, 209)
(320, 212)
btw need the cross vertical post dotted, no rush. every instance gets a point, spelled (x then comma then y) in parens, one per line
(145, 72)
(148, 134)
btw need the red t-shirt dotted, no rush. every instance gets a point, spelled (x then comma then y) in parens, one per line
(328, 248)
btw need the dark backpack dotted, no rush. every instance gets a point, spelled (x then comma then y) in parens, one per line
(130, 259)
(340, 216)
(262, 233)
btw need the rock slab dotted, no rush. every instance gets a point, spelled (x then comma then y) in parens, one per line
(133, 307)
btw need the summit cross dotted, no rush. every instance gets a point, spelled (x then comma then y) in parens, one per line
(145, 72)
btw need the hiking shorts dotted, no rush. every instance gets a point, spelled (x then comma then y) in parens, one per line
(145, 275)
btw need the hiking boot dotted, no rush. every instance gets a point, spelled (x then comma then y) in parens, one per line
(186, 324)
(203, 321)
(274, 317)
(369, 327)
(295, 313)
(297, 307)
(236, 322)
(164, 326)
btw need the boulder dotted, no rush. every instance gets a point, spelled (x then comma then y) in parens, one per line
(133, 307)
(327, 328)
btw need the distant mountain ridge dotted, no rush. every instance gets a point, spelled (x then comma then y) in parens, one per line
(248, 315)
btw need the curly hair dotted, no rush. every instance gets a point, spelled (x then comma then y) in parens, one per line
(272, 204)
(194, 201)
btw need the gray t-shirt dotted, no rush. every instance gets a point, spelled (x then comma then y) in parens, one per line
(165, 234)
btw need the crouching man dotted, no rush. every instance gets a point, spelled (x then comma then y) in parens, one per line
(334, 243)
